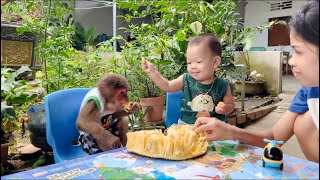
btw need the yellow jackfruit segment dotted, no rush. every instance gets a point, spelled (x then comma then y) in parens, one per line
(178, 143)
(220, 104)
(126, 106)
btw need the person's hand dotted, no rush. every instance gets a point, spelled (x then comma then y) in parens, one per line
(108, 142)
(216, 129)
(147, 66)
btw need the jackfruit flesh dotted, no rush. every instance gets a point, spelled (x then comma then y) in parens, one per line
(178, 143)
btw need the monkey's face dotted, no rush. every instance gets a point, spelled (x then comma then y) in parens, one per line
(121, 97)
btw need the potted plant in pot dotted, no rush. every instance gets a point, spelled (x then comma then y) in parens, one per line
(13, 97)
(8, 126)
(254, 82)
(142, 89)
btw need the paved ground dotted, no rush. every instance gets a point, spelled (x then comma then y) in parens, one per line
(289, 87)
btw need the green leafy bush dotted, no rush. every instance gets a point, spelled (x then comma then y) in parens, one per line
(13, 96)
(85, 39)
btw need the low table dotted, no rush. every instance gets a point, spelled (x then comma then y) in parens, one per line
(224, 160)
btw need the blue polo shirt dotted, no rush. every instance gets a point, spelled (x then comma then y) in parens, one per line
(300, 101)
(307, 99)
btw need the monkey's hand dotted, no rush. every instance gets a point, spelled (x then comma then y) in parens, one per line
(122, 126)
(108, 141)
(87, 121)
(134, 107)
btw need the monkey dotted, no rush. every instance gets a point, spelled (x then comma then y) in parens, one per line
(100, 121)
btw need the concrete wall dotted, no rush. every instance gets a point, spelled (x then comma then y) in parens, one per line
(258, 12)
(240, 8)
(93, 13)
(267, 63)
(89, 14)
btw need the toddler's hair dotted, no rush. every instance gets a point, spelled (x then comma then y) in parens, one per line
(211, 40)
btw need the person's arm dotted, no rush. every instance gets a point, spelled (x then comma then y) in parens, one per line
(228, 103)
(161, 82)
(282, 131)
(88, 118)
(218, 130)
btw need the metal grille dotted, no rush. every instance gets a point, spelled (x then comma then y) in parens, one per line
(281, 5)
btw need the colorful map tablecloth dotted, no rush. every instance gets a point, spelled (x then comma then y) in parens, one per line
(224, 160)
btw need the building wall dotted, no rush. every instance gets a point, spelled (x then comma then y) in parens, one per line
(240, 8)
(102, 18)
(258, 12)
(93, 13)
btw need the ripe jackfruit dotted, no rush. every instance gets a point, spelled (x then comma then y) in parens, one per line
(178, 143)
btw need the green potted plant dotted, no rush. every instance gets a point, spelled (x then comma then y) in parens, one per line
(85, 40)
(142, 88)
(13, 96)
(8, 126)
(254, 82)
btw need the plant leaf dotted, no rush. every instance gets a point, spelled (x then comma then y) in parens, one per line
(40, 161)
(196, 27)
(7, 111)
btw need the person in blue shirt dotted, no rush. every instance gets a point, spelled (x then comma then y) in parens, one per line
(302, 117)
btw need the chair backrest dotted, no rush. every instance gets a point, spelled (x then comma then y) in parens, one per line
(62, 109)
(173, 114)
(173, 107)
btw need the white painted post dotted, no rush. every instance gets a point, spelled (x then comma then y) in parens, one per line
(243, 72)
(114, 21)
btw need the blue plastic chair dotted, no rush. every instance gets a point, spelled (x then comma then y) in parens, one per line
(62, 109)
(173, 106)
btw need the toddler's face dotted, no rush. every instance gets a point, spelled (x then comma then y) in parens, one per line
(304, 61)
(200, 63)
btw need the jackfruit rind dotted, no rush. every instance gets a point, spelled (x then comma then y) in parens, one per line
(178, 143)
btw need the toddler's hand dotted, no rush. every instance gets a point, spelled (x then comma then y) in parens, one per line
(220, 108)
(147, 66)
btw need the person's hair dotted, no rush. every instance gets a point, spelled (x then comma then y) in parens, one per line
(306, 22)
(211, 40)
(114, 81)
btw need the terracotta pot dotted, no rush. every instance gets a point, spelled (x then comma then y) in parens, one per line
(252, 88)
(156, 104)
(4, 150)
